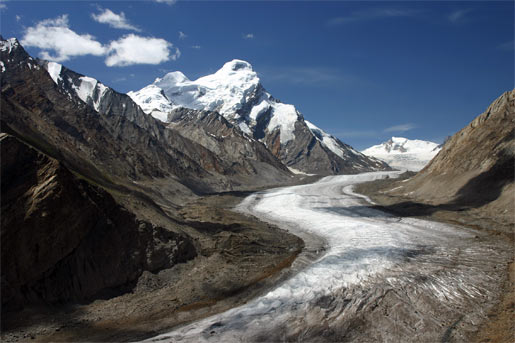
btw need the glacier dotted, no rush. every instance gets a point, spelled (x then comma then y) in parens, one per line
(423, 272)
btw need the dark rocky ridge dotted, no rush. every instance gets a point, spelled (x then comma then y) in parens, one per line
(65, 239)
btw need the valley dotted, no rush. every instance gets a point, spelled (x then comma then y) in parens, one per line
(207, 210)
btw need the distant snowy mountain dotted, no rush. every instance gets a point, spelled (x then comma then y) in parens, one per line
(404, 153)
(236, 93)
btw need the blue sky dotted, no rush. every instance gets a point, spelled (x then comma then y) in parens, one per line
(363, 71)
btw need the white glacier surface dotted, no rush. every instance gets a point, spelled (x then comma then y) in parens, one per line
(368, 252)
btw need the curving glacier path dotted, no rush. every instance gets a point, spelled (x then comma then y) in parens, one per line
(379, 278)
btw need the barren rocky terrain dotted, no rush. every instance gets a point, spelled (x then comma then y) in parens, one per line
(239, 258)
(500, 326)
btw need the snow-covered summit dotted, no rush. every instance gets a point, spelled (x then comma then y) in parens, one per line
(399, 152)
(229, 91)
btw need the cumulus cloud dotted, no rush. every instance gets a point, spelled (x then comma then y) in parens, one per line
(118, 21)
(132, 49)
(248, 36)
(55, 35)
(18, 18)
(59, 43)
(400, 128)
(182, 35)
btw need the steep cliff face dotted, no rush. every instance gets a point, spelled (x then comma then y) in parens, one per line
(65, 239)
(235, 92)
(475, 168)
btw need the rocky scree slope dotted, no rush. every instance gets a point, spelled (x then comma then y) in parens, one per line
(403, 153)
(475, 168)
(236, 93)
(65, 239)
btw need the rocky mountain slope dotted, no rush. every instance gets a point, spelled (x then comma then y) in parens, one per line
(403, 153)
(122, 141)
(236, 93)
(107, 101)
(65, 239)
(474, 171)
(87, 177)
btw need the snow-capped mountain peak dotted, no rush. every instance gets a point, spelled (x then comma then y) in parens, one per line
(171, 78)
(399, 152)
(235, 92)
(225, 91)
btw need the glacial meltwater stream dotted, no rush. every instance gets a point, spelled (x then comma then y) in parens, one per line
(380, 278)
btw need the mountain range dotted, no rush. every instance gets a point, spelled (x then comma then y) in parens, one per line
(70, 143)
(102, 191)
(236, 93)
(403, 153)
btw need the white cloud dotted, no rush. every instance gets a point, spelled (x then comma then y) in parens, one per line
(132, 49)
(459, 16)
(54, 35)
(118, 21)
(3, 6)
(370, 14)
(195, 47)
(400, 128)
(59, 43)
(248, 36)
(182, 35)
(168, 2)
(18, 18)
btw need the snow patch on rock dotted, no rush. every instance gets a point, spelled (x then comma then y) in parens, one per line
(54, 70)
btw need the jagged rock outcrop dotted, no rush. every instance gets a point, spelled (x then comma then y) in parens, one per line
(475, 168)
(236, 93)
(65, 239)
